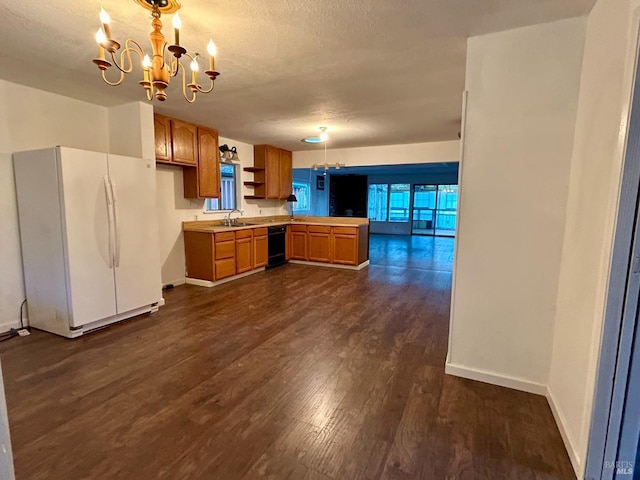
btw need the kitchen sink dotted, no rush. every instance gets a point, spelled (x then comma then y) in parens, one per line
(240, 224)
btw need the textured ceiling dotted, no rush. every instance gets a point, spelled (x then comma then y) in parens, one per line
(377, 72)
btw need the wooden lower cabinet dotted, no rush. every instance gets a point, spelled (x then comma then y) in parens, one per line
(319, 239)
(260, 251)
(198, 247)
(344, 249)
(225, 268)
(216, 256)
(244, 253)
(225, 255)
(298, 245)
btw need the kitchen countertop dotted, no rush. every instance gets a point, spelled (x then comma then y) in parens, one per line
(216, 226)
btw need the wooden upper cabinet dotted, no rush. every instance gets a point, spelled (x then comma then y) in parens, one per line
(272, 172)
(185, 143)
(162, 133)
(208, 164)
(273, 167)
(286, 168)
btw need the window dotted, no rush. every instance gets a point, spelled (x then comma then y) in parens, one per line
(228, 189)
(399, 202)
(302, 191)
(378, 202)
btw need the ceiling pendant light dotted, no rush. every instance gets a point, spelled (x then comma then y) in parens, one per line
(160, 67)
(323, 137)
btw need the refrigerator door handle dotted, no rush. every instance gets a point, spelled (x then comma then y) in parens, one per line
(116, 218)
(107, 189)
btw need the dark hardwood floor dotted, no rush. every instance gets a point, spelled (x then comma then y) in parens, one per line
(295, 373)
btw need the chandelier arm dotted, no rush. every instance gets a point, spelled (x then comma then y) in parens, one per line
(202, 90)
(125, 56)
(174, 68)
(113, 84)
(184, 85)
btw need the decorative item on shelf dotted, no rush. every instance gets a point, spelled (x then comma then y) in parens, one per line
(290, 200)
(157, 70)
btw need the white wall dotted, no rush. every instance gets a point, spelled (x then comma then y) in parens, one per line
(522, 95)
(591, 210)
(31, 119)
(431, 152)
(173, 209)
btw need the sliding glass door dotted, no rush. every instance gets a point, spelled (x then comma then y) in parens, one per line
(424, 210)
(435, 209)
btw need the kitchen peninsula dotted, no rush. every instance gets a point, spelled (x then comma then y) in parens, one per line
(217, 253)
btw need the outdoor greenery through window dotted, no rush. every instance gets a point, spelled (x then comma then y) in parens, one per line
(302, 191)
(378, 202)
(399, 202)
(389, 203)
(228, 189)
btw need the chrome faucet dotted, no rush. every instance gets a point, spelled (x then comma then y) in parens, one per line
(227, 221)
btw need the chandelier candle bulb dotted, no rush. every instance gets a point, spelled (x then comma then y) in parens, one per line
(100, 38)
(194, 71)
(177, 25)
(105, 19)
(211, 49)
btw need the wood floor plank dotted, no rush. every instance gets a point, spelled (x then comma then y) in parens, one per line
(294, 373)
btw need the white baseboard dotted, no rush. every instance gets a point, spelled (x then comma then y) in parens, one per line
(561, 422)
(6, 326)
(175, 283)
(331, 265)
(495, 378)
(207, 283)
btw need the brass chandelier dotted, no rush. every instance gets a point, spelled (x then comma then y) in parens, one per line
(158, 69)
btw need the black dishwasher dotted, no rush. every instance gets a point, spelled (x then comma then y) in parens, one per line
(277, 245)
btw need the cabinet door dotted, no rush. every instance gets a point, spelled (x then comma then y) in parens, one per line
(208, 164)
(319, 247)
(299, 245)
(272, 172)
(285, 173)
(244, 261)
(162, 133)
(225, 268)
(344, 249)
(185, 143)
(260, 251)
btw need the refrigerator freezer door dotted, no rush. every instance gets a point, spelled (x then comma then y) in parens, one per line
(137, 253)
(91, 294)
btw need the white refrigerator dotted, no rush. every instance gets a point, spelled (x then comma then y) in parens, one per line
(89, 234)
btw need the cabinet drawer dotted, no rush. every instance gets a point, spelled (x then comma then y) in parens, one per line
(225, 268)
(259, 232)
(345, 230)
(225, 236)
(225, 250)
(244, 234)
(298, 228)
(319, 229)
